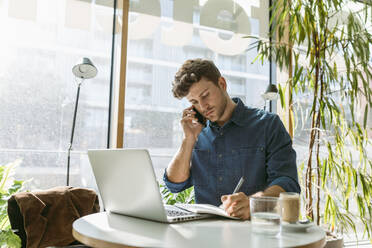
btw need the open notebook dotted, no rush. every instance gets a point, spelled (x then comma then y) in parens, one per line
(205, 209)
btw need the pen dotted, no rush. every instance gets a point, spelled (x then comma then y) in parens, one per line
(241, 181)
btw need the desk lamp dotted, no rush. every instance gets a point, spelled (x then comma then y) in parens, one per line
(270, 94)
(84, 69)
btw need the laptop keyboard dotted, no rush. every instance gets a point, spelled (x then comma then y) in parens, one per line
(174, 213)
(177, 214)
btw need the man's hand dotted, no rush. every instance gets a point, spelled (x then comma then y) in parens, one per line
(178, 169)
(191, 126)
(236, 205)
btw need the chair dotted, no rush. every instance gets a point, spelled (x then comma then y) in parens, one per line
(44, 218)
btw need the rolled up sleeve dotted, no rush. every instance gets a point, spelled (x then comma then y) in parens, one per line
(176, 187)
(281, 157)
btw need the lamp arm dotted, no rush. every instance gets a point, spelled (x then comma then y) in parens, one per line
(72, 134)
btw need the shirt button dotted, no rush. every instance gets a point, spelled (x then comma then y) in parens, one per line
(220, 155)
(220, 178)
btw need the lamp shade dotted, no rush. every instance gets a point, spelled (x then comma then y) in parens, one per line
(271, 92)
(84, 68)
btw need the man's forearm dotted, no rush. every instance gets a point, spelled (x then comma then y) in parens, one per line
(179, 168)
(274, 191)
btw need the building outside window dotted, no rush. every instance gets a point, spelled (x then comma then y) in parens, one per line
(40, 42)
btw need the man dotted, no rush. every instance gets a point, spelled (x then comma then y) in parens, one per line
(236, 141)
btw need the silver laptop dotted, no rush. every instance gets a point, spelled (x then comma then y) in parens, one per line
(128, 186)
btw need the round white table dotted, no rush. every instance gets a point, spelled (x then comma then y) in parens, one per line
(113, 230)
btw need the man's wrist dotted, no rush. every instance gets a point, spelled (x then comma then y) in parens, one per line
(258, 194)
(189, 141)
(273, 191)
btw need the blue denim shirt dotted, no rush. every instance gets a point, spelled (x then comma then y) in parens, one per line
(254, 144)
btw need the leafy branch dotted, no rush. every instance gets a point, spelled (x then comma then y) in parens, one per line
(8, 187)
(186, 196)
(311, 46)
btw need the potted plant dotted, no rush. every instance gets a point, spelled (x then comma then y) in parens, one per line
(8, 187)
(325, 49)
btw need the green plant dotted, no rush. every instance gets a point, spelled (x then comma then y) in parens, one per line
(186, 196)
(325, 48)
(8, 186)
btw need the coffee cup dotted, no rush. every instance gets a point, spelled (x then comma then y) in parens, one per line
(290, 206)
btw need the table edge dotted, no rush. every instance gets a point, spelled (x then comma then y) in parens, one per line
(97, 243)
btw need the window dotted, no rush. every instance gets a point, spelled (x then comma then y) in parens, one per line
(41, 41)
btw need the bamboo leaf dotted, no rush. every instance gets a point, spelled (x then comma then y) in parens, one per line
(333, 213)
(326, 209)
(349, 182)
(364, 187)
(282, 97)
(360, 205)
(365, 116)
(321, 113)
(324, 172)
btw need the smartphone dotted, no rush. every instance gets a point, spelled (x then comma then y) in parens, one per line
(201, 119)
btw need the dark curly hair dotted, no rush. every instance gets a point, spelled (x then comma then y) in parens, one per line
(191, 72)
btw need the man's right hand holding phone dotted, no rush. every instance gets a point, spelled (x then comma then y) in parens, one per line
(191, 126)
(179, 168)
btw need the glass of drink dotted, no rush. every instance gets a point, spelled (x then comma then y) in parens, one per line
(290, 206)
(265, 215)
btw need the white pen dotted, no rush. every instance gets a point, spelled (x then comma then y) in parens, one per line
(239, 185)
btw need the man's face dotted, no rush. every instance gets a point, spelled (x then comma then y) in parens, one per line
(209, 99)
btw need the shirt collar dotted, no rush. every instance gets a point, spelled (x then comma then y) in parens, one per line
(237, 116)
